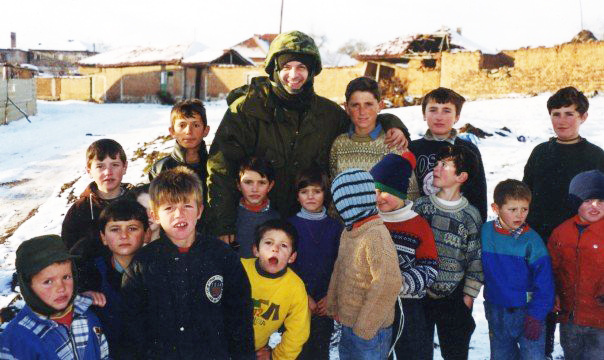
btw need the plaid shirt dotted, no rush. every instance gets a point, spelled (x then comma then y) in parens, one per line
(31, 335)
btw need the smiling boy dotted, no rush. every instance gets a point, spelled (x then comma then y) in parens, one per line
(187, 294)
(278, 293)
(441, 109)
(551, 166)
(363, 145)
(106, 164)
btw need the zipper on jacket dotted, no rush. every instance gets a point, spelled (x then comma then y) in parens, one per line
(572, 312)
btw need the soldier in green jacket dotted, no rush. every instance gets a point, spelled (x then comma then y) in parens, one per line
(280, 118)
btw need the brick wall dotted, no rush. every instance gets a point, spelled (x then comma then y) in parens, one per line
(535, 70)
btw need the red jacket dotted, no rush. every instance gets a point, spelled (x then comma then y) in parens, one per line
(578, 264)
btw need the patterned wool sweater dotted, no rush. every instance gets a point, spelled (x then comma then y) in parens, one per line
(366, 279)
(415, 247)
(456, 229)
(363, 152)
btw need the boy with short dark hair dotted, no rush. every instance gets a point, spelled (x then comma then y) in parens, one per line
(551, 166)
(123, 226)
(441, 109)
(317, 249)
(256, 179)
(415, 247)
(278, 293)
(363, 145)
(366, 279)
(106, 164)
(187, 295)
(188, 126)
(55, 322)
(456, 227)
(518, 280)
(577, 250)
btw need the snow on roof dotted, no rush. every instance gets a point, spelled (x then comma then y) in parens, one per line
(442, 39)
(334, 59)
(250, 52)
(60, 45)
(143, 55)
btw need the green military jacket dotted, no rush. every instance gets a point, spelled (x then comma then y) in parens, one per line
(257, 125)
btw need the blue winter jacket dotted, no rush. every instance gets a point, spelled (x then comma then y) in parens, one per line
(517, 272)
(32, 336)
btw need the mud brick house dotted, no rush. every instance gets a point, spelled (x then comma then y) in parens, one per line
(17, 93)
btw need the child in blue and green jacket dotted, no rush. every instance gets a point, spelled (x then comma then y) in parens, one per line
(55, 323)
(518, 280)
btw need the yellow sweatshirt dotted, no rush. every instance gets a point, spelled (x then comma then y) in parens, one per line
(277, 301)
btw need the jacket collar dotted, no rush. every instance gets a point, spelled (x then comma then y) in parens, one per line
(450, 139)
(179, 152)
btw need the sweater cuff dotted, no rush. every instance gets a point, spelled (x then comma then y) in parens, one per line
(472, 288)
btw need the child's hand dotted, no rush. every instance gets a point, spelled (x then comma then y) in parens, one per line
(264, 353)
(469, 301)
(532, 328)
(312, 305)
(227, 239)
(322, 307)
(98, 298)
(395, 138)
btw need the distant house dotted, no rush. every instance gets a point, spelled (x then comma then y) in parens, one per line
(55, 58)
(415, 60)
(155, 74)
(17, 93)
(256, 47)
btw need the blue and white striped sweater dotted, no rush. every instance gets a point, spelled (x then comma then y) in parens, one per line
(517, 272)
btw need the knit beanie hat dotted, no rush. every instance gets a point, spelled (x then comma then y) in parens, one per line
(392, 173)
(586, 185)
(353, 193)
(33, 256)
(306, 59)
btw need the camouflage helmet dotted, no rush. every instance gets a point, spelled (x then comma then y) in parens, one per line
(292, 42)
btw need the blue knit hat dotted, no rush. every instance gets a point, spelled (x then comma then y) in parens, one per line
(392, 174)
(353, 193)
(586, 185)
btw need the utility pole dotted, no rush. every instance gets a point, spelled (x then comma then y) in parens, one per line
(580, 9)
(281, 17)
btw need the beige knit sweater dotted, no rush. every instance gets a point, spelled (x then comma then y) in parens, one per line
(366, 279)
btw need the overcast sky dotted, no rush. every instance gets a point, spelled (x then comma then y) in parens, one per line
(219, 24)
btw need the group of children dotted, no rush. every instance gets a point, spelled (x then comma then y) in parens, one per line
(392, 247)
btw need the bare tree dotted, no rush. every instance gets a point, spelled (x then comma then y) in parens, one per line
(353, 47)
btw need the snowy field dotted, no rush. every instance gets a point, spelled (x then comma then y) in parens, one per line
(42, 163)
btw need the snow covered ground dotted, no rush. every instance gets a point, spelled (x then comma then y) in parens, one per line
(42, 162)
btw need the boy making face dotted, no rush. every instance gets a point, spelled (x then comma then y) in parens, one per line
(187, 295)
(278, 293)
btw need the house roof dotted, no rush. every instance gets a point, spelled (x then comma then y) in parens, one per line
(256, 46)
(143, 55)
(54, 45)
(421, 45)
(209, 56)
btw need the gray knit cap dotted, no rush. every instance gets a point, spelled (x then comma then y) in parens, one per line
(353, 193)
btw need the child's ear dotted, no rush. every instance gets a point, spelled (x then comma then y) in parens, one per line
(171, 130)
(381, 105)
(346, 108)
(495, 208)
(583, 117)
(206, 131)
(457, 118)
(292, 257)
(153, 214)
(270, 185)
(463, 177)
(103, 238)
(200, 208)
(255, 250)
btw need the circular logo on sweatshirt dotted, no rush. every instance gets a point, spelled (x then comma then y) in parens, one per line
(214, 288)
